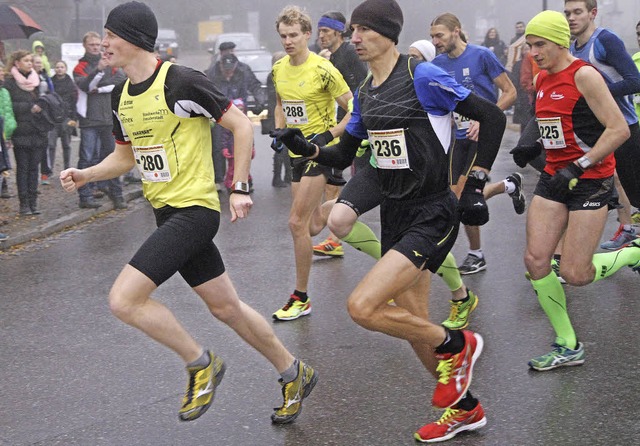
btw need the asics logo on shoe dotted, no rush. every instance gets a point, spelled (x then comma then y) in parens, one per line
(461, 373)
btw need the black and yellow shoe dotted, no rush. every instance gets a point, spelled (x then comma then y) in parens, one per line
(294, 393)
(201, 389)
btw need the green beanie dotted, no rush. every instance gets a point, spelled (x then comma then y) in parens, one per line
(550, 25)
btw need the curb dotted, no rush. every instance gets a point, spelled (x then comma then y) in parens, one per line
(58, 225)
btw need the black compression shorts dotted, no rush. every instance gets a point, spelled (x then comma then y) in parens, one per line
(362, 192)
(183, 242)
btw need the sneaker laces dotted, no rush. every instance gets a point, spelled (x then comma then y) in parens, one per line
(455, 309)
(190, 388)
(292, 300)
(444, 369)
(618, 234)
(447, 416)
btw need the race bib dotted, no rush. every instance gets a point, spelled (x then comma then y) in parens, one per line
(152, 163)
(389, 148)
(551, 133)
(462, 122)
(295, 112)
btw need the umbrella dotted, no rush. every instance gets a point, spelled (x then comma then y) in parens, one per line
(16, 24)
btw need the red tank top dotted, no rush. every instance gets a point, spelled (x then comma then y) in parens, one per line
(568, 127)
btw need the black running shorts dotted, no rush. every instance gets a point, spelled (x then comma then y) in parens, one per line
(588, 193)
(362, 192)
(462, 157)
(183, 242)
(303, 167)
(423, 230)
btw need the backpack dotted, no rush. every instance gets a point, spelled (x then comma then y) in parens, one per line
(54, 111)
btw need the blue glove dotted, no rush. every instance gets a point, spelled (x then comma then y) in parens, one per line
(295, 141)
(472, 207)
(565, 180)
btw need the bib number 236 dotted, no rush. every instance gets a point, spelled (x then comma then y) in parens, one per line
(389, 148)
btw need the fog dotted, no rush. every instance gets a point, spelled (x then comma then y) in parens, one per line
(477, 16)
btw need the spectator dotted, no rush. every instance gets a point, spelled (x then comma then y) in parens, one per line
(66, 88)
(232, 83)
(46, 86)
(520, 27)
(251, 84)
(281, 159)
(497, 46)
(523, 107)
(38, 50)
(28, 141)
(6, 113)
(95, 80)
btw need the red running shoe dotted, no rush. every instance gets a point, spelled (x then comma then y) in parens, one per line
(451, 423)
(455, 371)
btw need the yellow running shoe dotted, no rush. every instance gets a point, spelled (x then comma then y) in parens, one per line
(201, 389)
(293, 309)
(294, 393)
(460, 312)
(328, 248)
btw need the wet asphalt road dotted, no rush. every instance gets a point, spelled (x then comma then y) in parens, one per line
(72, 374)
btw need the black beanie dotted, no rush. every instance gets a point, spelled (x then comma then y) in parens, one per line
(382, 16)
(135, 23)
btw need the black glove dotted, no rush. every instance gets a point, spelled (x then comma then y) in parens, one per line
(295, 141)
(321, 139)
(472, 207)
(565, 179)
(523, 154)
(257, 109)
(276, 144)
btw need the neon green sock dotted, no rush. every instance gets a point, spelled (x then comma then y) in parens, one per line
(607, 263)
(363, 239)
(554, 303)
(449, 273)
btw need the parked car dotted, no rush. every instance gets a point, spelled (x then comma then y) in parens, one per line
(243, 41)
(167, 43)
(260, 63)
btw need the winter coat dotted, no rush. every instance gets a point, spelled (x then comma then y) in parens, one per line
(98, 100)
(26, 133)
(6, 111)
(67, 89)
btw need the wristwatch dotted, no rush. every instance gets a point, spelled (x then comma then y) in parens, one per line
(240, 187)
(479, 175)
(584, 163)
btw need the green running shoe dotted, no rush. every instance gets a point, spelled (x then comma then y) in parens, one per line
(460, 312)
(560, 356)
(294, 393)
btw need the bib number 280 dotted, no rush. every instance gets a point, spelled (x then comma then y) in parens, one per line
(152, 162)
